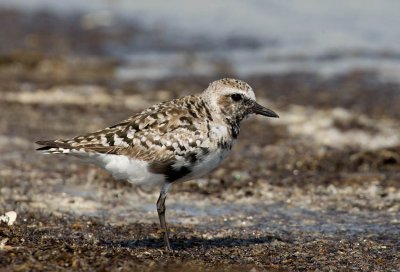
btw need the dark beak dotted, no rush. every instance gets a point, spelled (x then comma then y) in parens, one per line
(258, 109)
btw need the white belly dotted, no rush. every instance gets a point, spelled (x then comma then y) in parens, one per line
(124, 168)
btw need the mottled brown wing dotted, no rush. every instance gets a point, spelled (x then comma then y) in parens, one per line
(159, 133)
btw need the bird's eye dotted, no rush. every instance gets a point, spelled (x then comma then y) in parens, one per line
(236, 97)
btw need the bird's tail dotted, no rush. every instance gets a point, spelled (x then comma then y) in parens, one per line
(54, 147)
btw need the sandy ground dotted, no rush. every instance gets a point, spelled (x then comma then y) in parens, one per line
(317, 189)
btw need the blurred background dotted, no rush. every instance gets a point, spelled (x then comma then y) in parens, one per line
(156, 40)
(322, 179)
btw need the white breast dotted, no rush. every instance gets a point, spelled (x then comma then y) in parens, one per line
(208, 163)
(218, 131)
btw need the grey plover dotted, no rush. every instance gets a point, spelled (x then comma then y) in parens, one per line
(172, 141)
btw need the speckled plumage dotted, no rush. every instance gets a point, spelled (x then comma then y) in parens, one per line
(172, 141)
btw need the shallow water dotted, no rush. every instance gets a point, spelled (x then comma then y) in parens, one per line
(245, 38)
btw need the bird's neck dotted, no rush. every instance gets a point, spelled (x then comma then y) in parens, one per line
(231, 122)
(234, 126)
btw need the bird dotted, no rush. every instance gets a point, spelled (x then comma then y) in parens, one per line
(171, 142)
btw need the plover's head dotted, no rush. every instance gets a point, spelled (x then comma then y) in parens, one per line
(234, 99)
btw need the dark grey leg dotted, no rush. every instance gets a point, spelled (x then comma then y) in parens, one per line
(161, 214)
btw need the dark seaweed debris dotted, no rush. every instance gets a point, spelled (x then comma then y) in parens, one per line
(53, 243)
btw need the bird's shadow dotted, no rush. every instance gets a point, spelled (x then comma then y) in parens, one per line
(192, 242)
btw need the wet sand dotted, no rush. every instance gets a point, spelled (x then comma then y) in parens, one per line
(317, 189)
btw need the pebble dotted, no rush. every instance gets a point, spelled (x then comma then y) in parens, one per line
(8, 218)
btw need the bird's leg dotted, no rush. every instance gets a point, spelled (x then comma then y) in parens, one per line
(161, 214)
